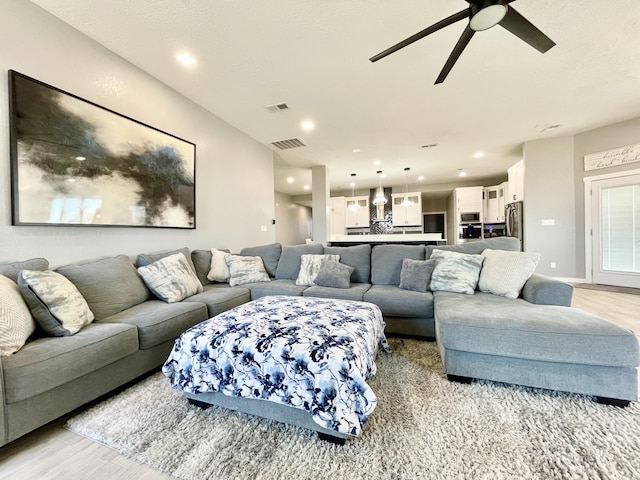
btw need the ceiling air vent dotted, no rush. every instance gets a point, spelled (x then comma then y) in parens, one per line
(288, 143)
(277, 107)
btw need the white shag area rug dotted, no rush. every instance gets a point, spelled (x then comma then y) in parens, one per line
(423, 427)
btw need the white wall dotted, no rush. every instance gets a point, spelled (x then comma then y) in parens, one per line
(231, 205)
(293, 221)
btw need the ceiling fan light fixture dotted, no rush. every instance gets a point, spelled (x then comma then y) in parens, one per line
(488, 17)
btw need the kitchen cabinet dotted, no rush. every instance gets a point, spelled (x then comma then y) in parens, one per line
(469, 200)
(516, 182)
(357, 212)
(494, 198)
(406, 209)
(337, 216)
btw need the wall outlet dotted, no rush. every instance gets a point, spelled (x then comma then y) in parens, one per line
(553, 264)
(263, 228)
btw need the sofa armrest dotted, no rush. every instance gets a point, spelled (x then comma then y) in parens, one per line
(543, 290)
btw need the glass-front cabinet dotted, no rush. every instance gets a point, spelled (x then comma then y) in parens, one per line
(407, 209)
(357, 211)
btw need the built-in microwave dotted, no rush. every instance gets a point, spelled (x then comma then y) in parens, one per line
(470, 217)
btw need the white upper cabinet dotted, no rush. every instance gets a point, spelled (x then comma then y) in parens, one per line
(357, 212)
(494, 198)
(469, 200)
(516, 182)
(406, 209)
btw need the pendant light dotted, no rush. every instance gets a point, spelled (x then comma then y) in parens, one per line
(354, 204)
(406, 202)
(379, 199)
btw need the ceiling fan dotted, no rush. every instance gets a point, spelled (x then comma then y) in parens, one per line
(482, 15)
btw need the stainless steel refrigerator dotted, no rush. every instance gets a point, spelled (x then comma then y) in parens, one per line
(515, 221)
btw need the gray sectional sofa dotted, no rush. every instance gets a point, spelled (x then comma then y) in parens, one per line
(536, 340)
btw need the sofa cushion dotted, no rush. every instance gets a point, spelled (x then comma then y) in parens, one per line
(416, 274)
(505, 273)
(386, 262)
(16, 322)
(244, 270)
(11, 270)
(159, 322)
(476, 248)
(455, 272)
(171, 278)
(46, 363)
(275, 287)
(396, 302)
(493, 325)
(109, 285)
(218, 269)
(270, 255)
(145, 259)
(55, 302)
(358, 257)
(289, 264)
(221, 297)
(310, 266)
(333, 274)
(355, 291)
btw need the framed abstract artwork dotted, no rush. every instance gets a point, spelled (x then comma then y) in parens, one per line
(76, 163)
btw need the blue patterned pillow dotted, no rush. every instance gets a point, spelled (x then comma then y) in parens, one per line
(171, 278)
(455, 272)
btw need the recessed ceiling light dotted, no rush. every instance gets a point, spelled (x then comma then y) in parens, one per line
(462, 173)
(307, 125)
(306, 187)
(352, 184)
(289, 179)
(186, 59)
(421, 177)
(377, 162)
(356, 150)
(478, 155)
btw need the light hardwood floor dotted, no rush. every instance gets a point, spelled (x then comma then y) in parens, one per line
(52, 452)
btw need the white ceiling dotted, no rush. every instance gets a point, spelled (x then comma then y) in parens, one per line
(314, 56)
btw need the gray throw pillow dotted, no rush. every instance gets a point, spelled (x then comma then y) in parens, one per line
(333, 274)
(270, 255)
(309, 267)
(455, 272)
(171, 278)
(55, 302)
(416, 274)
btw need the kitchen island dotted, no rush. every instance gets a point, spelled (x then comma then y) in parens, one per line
(405, 238)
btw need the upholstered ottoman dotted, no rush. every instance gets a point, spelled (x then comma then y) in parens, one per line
(485, 336)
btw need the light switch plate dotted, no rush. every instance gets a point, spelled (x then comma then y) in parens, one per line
(548, 222)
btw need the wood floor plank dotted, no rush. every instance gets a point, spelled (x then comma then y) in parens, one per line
(52, 452)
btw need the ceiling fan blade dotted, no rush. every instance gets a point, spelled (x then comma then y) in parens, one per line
(423, 33)
(455, 54)
(525, 30)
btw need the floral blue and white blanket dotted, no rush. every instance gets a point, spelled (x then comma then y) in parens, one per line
(309, 353)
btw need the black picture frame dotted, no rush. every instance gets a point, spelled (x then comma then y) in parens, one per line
(76, 163)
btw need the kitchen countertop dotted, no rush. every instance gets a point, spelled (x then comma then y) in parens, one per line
(433, 238)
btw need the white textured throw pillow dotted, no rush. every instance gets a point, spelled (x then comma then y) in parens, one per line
(16, 322)
(219, 271)
(171, 278)
(54, 301)
(504, 273)
(310, 266)
(245, 269)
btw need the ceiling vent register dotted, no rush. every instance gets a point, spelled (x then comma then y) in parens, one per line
(288, 143)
